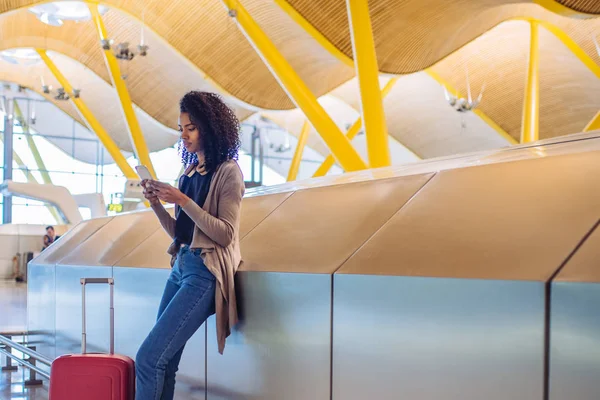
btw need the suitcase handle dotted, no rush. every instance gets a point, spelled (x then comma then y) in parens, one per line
(111, 283)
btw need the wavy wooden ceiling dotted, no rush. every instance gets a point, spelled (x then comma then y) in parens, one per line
(410, 35)
(156, 82)
(98, 96)
(191, 39)
(585, 6)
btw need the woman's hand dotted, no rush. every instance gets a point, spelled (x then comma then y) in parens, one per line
(167, 193)
(149, 193)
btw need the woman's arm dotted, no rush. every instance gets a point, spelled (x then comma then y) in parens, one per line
(221, 229)
(165, 219)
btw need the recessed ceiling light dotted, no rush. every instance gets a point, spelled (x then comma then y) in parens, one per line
(20, 56)
(56, 13)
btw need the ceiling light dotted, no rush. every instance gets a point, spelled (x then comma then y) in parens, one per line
(55, 13)
(20, 56)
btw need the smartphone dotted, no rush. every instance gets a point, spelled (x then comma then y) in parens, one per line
(143, 172)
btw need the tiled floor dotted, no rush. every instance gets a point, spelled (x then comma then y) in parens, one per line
(12, 387)
(13, 319)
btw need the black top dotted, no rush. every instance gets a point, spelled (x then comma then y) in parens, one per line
(196, 188)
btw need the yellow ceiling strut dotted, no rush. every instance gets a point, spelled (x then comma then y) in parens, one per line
(135, 132)
(577, 50)
(32, 146)
(90, 119)
(353, 131)
(594, 124)
(367, 71)
(326, 44)
(38, 160)
(295, 166)
(531, 107)
(296, 89)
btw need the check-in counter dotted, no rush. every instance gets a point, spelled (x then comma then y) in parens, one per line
(447, 299)
(575, 325)
(41, 285)
(427, 281)
(282, 347)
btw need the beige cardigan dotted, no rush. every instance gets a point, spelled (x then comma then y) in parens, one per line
(217, 234)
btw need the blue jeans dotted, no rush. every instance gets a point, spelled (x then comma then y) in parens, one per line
(188, 300)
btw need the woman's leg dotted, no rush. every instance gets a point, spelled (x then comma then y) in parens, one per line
(186, 312)
(172, 287)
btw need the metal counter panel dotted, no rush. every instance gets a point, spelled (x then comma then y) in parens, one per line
(68, 309)
(584, 266)
(41, 308)
(256, 209)
(281, 348)
(138, 292)
(515, 221)
(316, 230)
(437, 339)
(151, 253)
(575, 341)
(73, 238)
(114, 240)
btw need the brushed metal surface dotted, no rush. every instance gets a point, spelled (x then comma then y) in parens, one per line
(256, 209)
(575, 325)
(41, 308)
(437, 339)
(583, 142)
(151, 253)
(281, 348)
(584, 266)
(316, 230)
(137, 296)
(114, 240)
(73, 238)
(517, 220)
(575, 341)
(68, 309)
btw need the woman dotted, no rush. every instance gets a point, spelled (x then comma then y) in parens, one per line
(205, 250)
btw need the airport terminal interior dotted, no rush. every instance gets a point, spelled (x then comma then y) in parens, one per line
(422, 193)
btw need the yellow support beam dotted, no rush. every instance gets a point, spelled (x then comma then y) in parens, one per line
(477, 111)
(367, 72)
(135, 132)
(325, 43)
(314, 32)
(295, 167)
(329, 160)
(296, 89)
(37, 157)
(32, 146)
(594, 124)
(90, 119)
(577, 50)
(353, 131)
(531, 107)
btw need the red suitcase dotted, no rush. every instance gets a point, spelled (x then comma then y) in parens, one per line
(93, 376)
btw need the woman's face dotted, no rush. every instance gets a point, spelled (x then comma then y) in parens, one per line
(190, 134)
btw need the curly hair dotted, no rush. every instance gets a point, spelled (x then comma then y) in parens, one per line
(218, 126)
